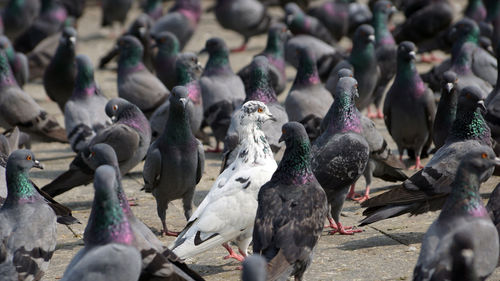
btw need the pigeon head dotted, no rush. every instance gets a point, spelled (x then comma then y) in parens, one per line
(68, 38)
(344, 116)
(384, 7)
(6, 46)
(130, 49)
(179, 98)
(277, 35)
(187, 68)
(292, 8)
(465, 30)
(23, 160)
(347, 89)
(255, 112)
(167, 43)
(382, 10)
(292, 132)
(344, 72)
(449, 81)
(107, 222)
(406, 51)
(254, 268)
(117, 108)
(259, 87)
(141, 26)
(100, 154)
(84, 81)
(19, 187)
(218, 52)
(479, 161)
(471, 97)
(364, 35)
(307, 71)
(215, 46)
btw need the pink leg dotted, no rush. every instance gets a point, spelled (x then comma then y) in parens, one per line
(370, 114)
(217, 149)
(353, 195)
(132, 202)
(348, 230)
(167, 232)
(380, 115)
(429, 58)
(331, 224)
(232, 254)
(241, 48)
(417, 165)
(364, 197)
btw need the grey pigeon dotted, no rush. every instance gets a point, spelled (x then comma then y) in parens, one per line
(135, 83)
(164, 61)
(254, 268)
(275, 53)
(114, 11)
(39, 58)
(59, 77)
(18, 61)
(260, 90)
(108, 237)
(363, 63)
(359, 13)
(84, 114)
(222, 91)
(175, 161)
(27, 223)
(300, 23)
(292, 210)
(446, 110)
(153, 8)
(17, 108)
(341, 153)
(129, 135)
(308, 100)
(409, 107)
(187, 69)
(246, 17)
(17, 16)
(334, 15)
(463, 214)
(181, 20)
(427, 189)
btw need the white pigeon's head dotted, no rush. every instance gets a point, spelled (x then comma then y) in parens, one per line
(254, 112)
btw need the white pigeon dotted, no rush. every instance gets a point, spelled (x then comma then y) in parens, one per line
(228, 211)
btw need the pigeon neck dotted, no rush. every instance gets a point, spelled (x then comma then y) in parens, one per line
(363, 56)
(407, 77)
(6, 76)
(295, 167)
(476, 9)
(307, 73)
(177, 129)
(184, 76)
(169, 50)
(448, 103)
(64, 57)
(84, 82)
(130, 60)
(152, 5)
(462, 59)
(19, 187)
(107, 222)
(275, 46)
(122, 197)
(10, 53)
(464, 197)
(260, 88)
(253, 144)
(218, 63)
(134, 118)
(382, 34)
(194, 91)
(345, 116)
(469, 125)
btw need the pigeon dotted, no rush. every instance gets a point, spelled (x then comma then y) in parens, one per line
(359, 13)
(157, 261)
(75, 8)
(462, 211)
(164, 61)
(446, 110)
(27, 223)
(135, 83)
(18, 61)
(227, 213)
(140, 29)
(427, 189)
(363, 63)
(409, 107)
(17, 16)
(308, 100)
(341, 153)
(84, 112)
(59, 78)
(246, 17)
(129, 135)
(493, 113)
(222, 91)
(175, 161)
(108, 238)
(181, 20)
(300, 23)
(39, 58)
(334, 14)
(275, 53)
(51, 20)
(475, 10)
(259, 90)
(292, 209)
(254, 268)
(187, 70)
(153, 8)
(17, 108)
(114, 11)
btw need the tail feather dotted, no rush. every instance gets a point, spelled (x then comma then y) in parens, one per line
(388, 173)
(75, 176)
(381, 213)
(279, 268)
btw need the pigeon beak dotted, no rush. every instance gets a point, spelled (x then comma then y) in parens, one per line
(449, 87)
(393, 10)
(38, 165)
(203, 51)
(184, 101)
(282, 138)
(413, 55)
(371, 38)
(72, 39)
(481, 105)
(142, 31)
(496, 160)
(113, 119)
(199, 67)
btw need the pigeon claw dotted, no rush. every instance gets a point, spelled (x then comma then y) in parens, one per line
(169, 233)
(417, 165)
(348, 230)
(132, 202)
(240, 49)
(232, 253)
(429, 58)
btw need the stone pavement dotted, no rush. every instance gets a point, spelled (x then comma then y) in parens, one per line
(386, 250)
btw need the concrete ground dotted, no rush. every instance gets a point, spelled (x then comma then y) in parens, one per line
(386, 250)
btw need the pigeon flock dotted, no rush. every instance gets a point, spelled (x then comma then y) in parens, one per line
(265, 156)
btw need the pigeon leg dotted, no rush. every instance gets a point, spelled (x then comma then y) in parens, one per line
(417, 165)
(353, 195)
(232, 254)
(348, 230)
(431, 58)
(217, 148)
(162, 212)
(132, 202)
(380, 115)
(370, 114)
(241, 48)
(364, 197)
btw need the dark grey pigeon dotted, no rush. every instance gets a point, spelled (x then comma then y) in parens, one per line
(18, 61)
(84, 112)
(259, 89)
(175, 161)
(222, 90)
(275, 53)
(135, 82)
(39, 58)
(334, 15)
(17, 16)
(446, 110)
(17, 108)
(187, 69)
(308, 100)
(341, 153)
(363, 63)
(463, 214)
(409, 107)
(300, 23)
(114, 11)
(108, 238)
(359, 13)
(129, 136)
(164, 61)
(181, 20)
(59, 77)
(27, 223)
(247, 17)
(254, 268)
(157, 261)
(292, 210)
(427, 189)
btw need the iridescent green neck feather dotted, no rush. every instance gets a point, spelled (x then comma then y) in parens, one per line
(295, 167)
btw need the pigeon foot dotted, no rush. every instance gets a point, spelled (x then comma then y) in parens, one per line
(417, 165)
(240, 49)
(352, 195)
(232, 253)
(429, 58)
(347, 230)
(132, 202)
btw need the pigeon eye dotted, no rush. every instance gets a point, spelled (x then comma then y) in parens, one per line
(28, 157)
(115, 107)
(484, 155)
(260, 110)
(283, 131)
(468, 96)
